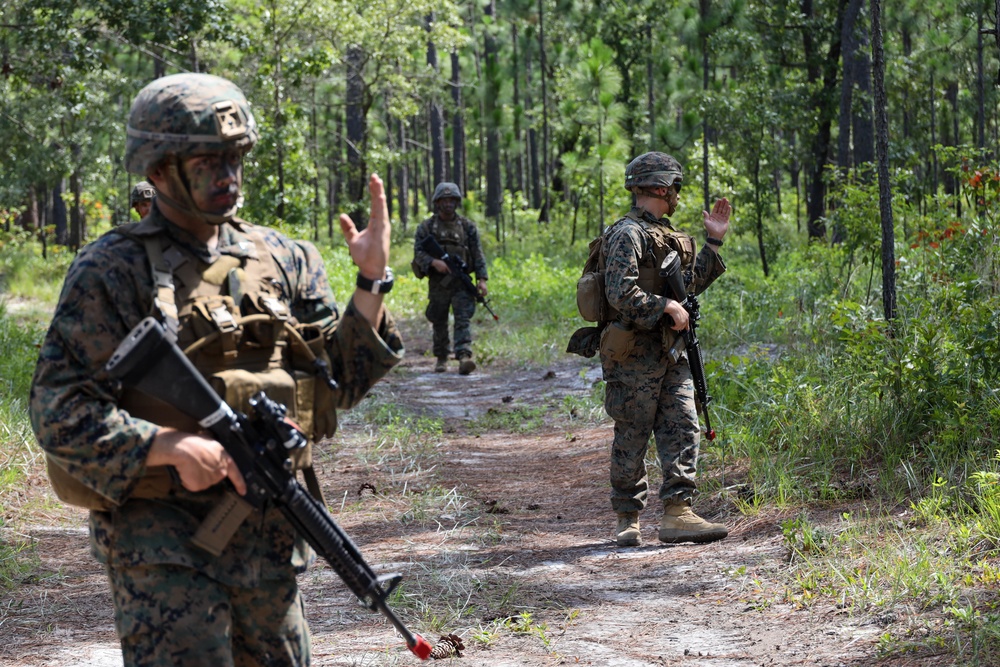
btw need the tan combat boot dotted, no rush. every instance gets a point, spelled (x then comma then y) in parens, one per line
(441, 366)
(466, 365)
(680, 524)
(628, 530)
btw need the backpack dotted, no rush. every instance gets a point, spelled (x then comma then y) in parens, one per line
(591, 299)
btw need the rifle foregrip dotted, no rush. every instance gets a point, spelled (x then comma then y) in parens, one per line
(332, 544)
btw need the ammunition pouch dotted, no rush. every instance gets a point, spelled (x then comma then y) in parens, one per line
(617, 342)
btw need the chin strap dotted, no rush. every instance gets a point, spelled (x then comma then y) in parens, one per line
(649, 192)
(186, 203)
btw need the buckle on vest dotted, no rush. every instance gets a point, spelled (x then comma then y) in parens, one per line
(274, 307)
(223, 319)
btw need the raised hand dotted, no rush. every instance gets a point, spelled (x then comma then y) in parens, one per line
(717, 222)
(370, 248)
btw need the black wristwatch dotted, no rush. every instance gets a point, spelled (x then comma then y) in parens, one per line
(376, 286)
(711, 240)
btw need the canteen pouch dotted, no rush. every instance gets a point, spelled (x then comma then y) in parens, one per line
(617, 342)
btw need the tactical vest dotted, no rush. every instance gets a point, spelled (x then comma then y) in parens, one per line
(231, 319)
(592, 300)
(453, 239)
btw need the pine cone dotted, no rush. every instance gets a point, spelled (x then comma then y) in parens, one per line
(448, 646)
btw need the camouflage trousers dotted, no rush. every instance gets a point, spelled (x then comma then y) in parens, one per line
(661, 405)
(169, 615)
(446, 294)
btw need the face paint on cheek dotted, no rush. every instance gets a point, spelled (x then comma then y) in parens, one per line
(214, 183)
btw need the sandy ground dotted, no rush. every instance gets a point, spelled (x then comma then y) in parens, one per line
(516, 526)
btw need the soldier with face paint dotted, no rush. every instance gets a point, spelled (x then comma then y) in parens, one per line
(236, 297)
(459, 238)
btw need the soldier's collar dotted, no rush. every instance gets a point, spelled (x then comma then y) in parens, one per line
(232, 239)
(642, 214)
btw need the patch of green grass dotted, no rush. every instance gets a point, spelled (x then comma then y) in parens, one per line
(513, 419)
(18, 559)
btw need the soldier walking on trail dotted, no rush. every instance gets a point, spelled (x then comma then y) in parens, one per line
(142, 197)
(649, 390)
(459, 238)
(254, 311)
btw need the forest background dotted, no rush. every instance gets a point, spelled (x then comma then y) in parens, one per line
(852, 346)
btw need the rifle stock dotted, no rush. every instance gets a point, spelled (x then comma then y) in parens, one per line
(671, 270)
(150, 362)
(458, 267)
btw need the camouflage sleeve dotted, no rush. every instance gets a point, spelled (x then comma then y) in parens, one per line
(707, 267)
(360, 355)
(73, 405)
(422, 258)
(478, 263)
(626, 245)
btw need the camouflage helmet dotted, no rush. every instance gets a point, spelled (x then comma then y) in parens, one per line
(446, 189)
(187, 114)
(653, 170)
(143, 191)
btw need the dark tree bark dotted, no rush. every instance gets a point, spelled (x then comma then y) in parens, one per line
(494, 195)
(980, 88)
(357, 129)
(436, 113)
(821, 69)
(861, 119)
(535, 177)
(518, 175)
(458, 174)
(882, 147)
(758, 206)
(314, 153)
(77, 230)
(402, 174)
(59, 212)
(703, 7)
(543, 215)
(849, 45)
(650, 112)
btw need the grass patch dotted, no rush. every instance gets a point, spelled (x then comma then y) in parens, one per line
(513, 419)
(19, 561)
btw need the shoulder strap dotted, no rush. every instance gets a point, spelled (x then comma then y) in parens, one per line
(164, 302)
(163, 285)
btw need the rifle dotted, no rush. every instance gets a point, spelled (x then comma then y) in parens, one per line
(458, 267)
(676, 285)
(150, 362)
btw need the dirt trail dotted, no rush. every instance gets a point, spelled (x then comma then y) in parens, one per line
(521, 524)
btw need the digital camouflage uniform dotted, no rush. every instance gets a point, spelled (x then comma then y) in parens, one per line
(646, 390)
(445, 292)
(176, 604)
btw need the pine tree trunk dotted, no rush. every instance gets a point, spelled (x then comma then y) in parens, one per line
(882, 148)
(402, 175)
(458, 174)
(703, 15)
(543, 215)
(356, 131)
(518, 175)
(59, 212)
(534, 177)
(650, 110)
(862, 127)
(494, 196)
(821, 70)
(436, 115)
